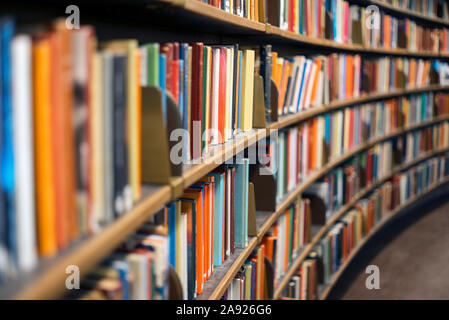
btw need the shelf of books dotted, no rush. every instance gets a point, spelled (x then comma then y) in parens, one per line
(324, 290)
(334, 25)
(208, 171)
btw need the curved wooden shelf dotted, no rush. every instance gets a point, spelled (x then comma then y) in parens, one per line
(206, 11)
(220, 154)
(48, 280)
(215, 287)
(324, 290)
(360, 195)
(313, 112)
(221, 283)
(410, 13)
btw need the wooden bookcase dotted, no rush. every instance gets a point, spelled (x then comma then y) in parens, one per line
(47, 281)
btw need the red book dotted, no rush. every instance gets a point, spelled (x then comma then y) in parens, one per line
(196, 100)
(291, 15)
(167, 49)
(222, 96)
(175, 80)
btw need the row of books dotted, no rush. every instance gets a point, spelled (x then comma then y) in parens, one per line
(212, 85)
(307, 82)
(430, 8)
(207, 223)
(346, 234)
(72, 126)
(251, 281)
(279, 247)
(396, 33)
(344, 182)
(297, 151)
(444, 40)
(345, 22)
(137, 270)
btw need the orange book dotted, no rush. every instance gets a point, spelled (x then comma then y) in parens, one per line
(139, 124)
(312, 144)
(349, 76)
(387, 34)
(59, 76)
(207, 242)
(268, 242)
(197, 196)
(313, 98)
(285, 75)
(45, 202)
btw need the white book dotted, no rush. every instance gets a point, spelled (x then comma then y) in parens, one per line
(309, 89)
(215, 91)
(23, 148)
(299, 67)
(143, 66)
(138, 268)
(304, 85)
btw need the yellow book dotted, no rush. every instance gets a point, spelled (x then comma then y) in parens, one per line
(247, 90)
(248, 274)
(45, 211)
(130, 47)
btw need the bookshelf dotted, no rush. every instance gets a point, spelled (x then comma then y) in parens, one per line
(324, 290)
(340, 213)
(408, 12)
(45, 282)
(201, 11)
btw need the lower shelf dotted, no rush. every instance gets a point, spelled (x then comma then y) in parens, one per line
(324, 290)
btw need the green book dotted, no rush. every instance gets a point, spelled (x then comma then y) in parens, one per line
(153, 64)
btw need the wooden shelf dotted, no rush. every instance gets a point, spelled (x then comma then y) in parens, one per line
(266, 219)
(220, 154)
(205, 11)
(222, 276)
(313, 112)
(324, 290)
(362, 193)
(407, 12)
(48, 280)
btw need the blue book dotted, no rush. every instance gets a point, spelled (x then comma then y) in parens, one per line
(302, 83)
(218, 217)
(327, 129)
(122, 269)
(7, 181)
(162, 75)
(172, 233)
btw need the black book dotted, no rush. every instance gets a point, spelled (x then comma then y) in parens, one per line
(120, 165)
(266, 65)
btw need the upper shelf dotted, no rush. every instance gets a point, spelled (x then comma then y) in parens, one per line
(410, 13)
(230, 23)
